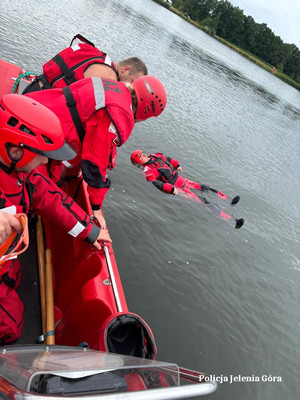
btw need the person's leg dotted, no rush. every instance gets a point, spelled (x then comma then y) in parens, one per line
(214, 192)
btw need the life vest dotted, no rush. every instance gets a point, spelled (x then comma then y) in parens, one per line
(74, 105)
(69, 65)
(166, 170)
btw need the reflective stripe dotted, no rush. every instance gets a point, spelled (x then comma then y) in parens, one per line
(67, 164)
(98, 93)
(75, 47)
(76, 230)
(9, 210)
(107, 60)
(13, 256)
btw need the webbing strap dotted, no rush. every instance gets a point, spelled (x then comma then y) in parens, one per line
(68, 73)
(78, 65)
(82, 39)
(44, 81)
(71, 103)
(42, 338)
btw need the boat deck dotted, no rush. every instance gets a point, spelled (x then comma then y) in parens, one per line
(29, 291)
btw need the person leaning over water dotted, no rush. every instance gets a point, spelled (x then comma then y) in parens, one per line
(84, 60)
(29, 134)
(98, 116)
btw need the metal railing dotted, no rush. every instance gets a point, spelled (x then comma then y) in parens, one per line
(9, 392)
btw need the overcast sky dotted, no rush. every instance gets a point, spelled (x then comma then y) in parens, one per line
(281, 16)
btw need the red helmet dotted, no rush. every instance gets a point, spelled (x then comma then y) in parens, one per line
(151, 97)
(135, 157)
(28, 124)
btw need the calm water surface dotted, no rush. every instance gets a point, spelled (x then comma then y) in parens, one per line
(220, 300)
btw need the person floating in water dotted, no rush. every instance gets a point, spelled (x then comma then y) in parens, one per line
(164, 173)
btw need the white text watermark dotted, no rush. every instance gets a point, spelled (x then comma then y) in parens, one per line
(240, 378)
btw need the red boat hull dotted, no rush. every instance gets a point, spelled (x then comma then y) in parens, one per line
(83, 294)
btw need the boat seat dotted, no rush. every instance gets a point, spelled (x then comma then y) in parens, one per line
(134, 382)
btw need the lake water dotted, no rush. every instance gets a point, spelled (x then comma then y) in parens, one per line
(219, 300)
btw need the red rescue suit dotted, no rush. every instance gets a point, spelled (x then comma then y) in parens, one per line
(19, 193)
(96, 115)
(69, 65)
(161, 171)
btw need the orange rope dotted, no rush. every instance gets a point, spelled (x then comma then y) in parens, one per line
(23, 241)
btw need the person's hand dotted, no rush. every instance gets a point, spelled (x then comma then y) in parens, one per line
(179, 169)
(99, 216)
(8, 224)
(103, 237)
(175, 191)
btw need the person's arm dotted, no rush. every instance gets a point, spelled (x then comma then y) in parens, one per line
(95, 158)
(172, 161)
(99, 151)
(8, 225)
(165, 187)
(175, 163)
(49, 201)
(100, 218)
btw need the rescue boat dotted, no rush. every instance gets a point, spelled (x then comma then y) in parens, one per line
(90, 344)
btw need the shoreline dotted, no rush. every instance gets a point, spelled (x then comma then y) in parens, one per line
(244, 53)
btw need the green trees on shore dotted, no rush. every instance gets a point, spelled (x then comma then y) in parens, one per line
(223, 19)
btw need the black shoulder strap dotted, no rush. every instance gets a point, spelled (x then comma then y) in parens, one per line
(156, 158)
(44, 81)
(71, 103)
(82, 39)
(68, 73)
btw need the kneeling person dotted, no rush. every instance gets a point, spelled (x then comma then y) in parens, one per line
(29, 134)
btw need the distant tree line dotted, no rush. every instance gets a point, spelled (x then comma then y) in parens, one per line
(229, 22)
